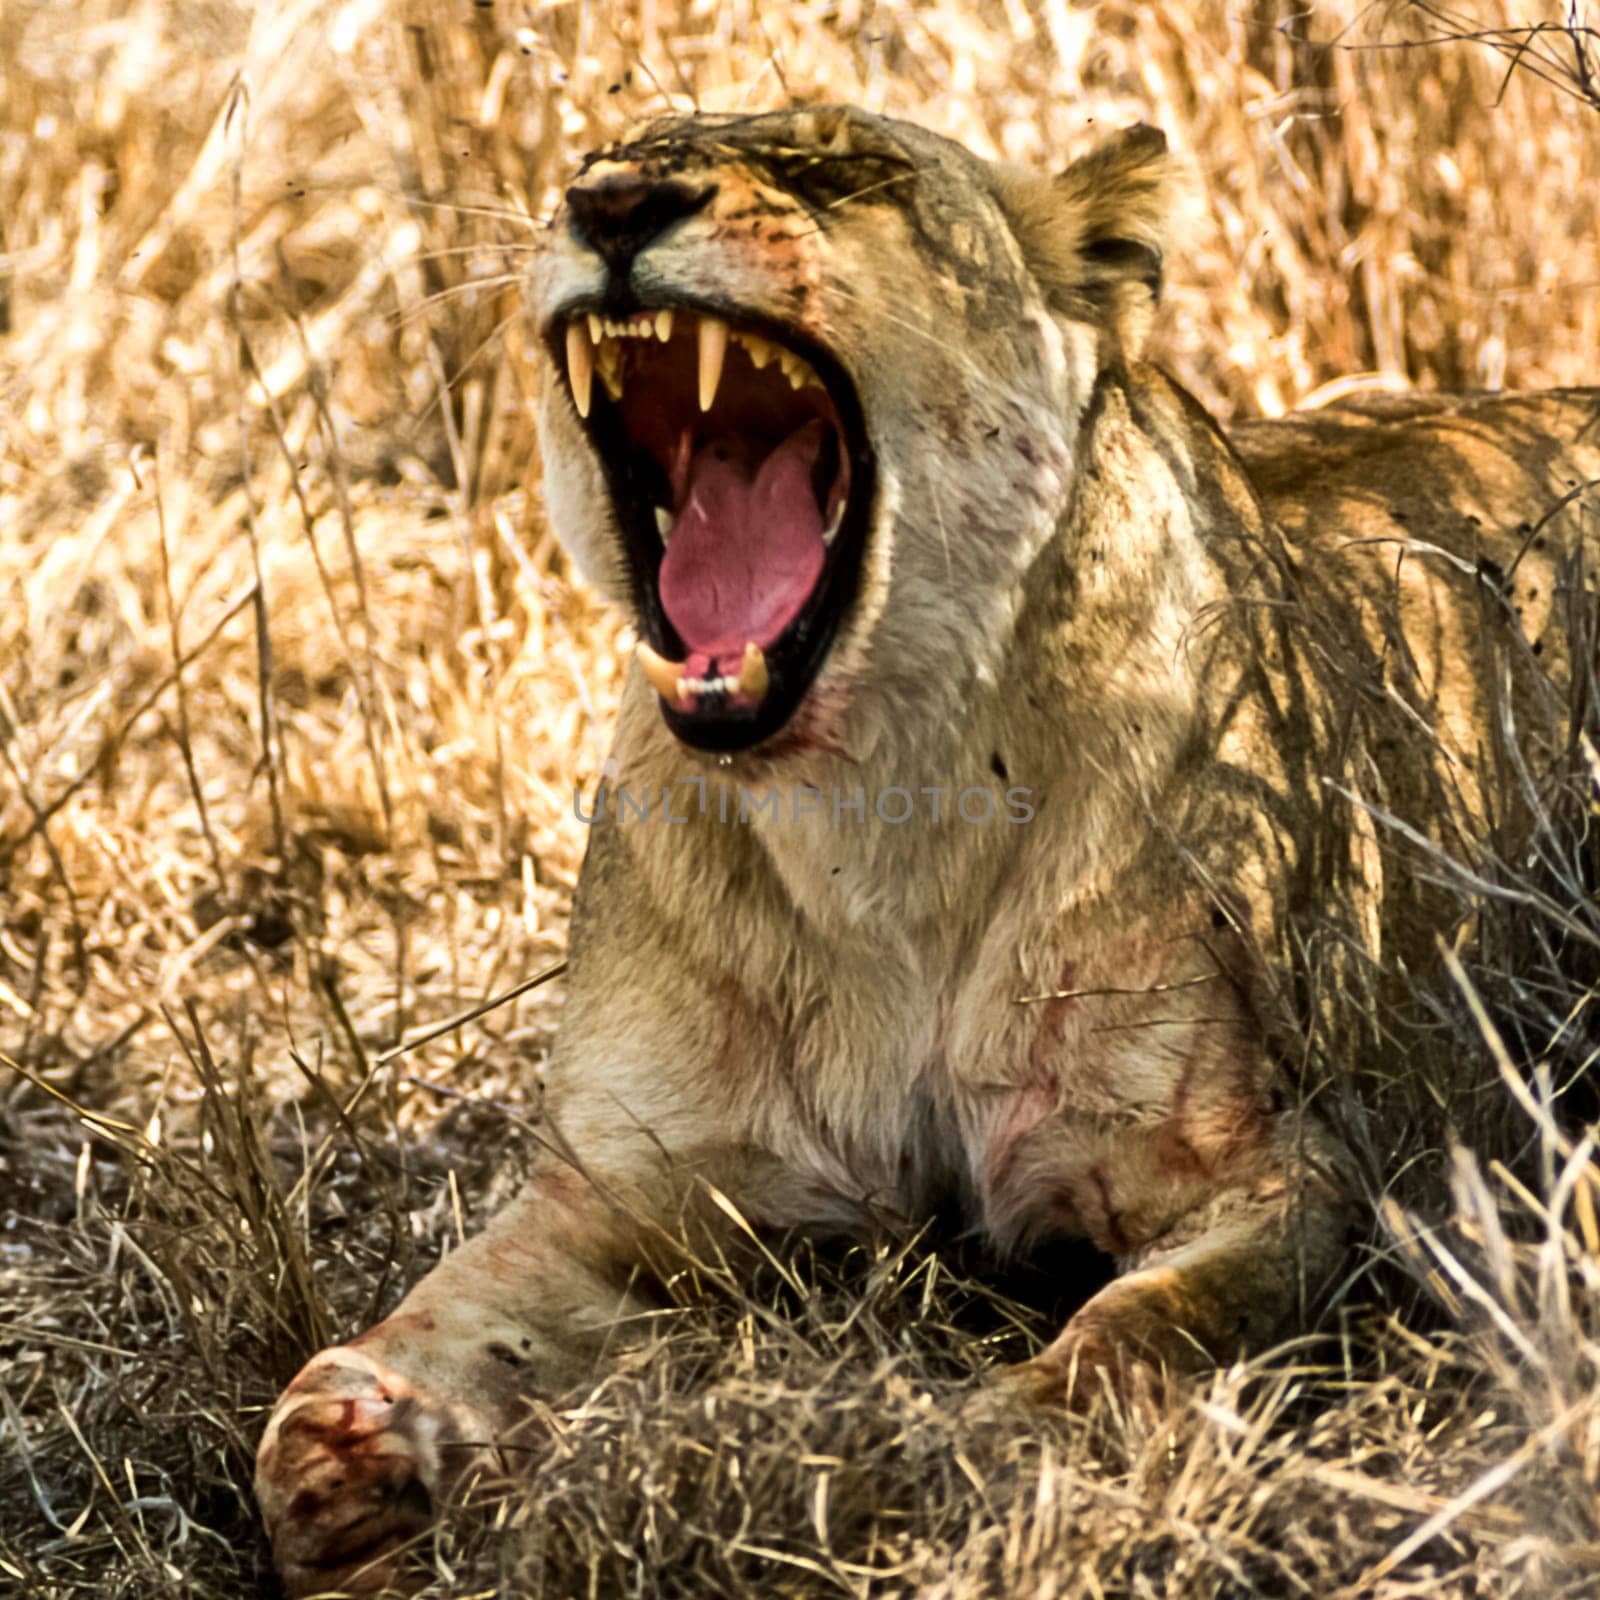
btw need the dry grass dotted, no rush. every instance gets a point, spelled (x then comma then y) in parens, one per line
(294, 689)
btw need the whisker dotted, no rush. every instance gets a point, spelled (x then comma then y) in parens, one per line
(487, 246)
(461, 208)
(454, 378)
(483, 344)
(845, 199)
(401, 318)
(465, 208)
(882, 183)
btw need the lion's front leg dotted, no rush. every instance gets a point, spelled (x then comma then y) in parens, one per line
(1228, 1211)
(1240, 1273)
(372, 1436)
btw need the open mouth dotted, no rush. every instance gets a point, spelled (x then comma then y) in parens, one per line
(738, 466)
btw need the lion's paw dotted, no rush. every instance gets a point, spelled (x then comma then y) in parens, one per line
(352, 1468)
(1120, 1349)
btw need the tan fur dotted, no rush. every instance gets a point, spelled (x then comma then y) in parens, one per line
(1074, 586)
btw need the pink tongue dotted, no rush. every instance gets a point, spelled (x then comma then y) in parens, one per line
(747, 548)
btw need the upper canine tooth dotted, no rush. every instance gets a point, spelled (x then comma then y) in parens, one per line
(667, 678)
(580, 367)
(663, 325)
(713, 347)
(753, 677)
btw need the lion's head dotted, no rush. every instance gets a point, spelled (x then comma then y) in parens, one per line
(820, 379)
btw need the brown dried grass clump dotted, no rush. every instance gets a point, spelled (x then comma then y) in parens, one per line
(294, 689)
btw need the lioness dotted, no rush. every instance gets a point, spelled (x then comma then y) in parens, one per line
(979, 745)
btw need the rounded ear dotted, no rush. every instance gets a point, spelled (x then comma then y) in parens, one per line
(1095, 235)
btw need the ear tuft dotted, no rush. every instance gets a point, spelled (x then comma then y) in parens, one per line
(1095, 236)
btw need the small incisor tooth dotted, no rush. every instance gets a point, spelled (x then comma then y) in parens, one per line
(713, 347)
(580, 367)
(753, 678)
(666, 677)
(596, 328)
(663, 326)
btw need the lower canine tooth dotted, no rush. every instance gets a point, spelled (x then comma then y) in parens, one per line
(580, 367)
(663, 521)
(713, 347)
(666, 677)
(753, 677)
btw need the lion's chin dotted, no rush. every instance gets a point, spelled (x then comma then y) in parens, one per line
(737, 463)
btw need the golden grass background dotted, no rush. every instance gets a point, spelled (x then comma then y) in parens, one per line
(295, 688)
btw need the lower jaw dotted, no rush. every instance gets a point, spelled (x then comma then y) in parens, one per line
(751, 708)
(731, 725)
(726, 680)
(729, 701)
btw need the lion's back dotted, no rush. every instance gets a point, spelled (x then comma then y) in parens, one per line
(1476, 477)
(1439, 552)
(1451, 516)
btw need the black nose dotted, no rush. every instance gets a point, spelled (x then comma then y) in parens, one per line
(620, 213)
